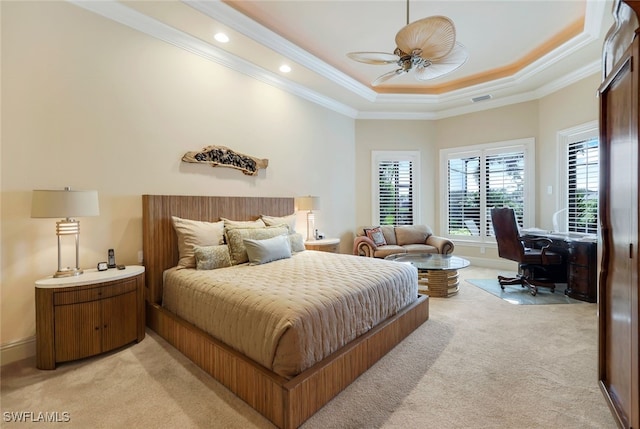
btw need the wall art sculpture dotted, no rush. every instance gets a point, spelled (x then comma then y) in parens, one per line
(225, 157)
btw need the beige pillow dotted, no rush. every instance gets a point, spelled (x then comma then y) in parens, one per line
(195, 233)
(228, 223)
(235, 239)
(212, 257)
(289, 220)
(412, 234)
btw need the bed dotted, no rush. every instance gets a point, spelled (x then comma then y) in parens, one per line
(285, 395)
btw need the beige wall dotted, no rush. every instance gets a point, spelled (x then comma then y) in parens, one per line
(400, 135)
(92, 104)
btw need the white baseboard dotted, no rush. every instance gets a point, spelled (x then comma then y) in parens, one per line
(17, 350)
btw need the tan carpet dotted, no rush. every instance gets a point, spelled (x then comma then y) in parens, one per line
(479, 362)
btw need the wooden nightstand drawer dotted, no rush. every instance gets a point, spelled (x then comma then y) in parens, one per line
(95, 293)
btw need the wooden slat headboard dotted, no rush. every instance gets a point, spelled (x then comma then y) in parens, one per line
(159, 241)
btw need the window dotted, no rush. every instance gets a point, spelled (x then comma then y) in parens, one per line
(395, 187)
(580, 196)
(480, 177)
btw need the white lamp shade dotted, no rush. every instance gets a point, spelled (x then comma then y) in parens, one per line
(64, 204)
(307, 203)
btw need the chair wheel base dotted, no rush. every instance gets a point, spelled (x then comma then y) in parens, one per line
(527, 282)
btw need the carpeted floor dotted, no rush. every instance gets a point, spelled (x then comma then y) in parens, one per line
(522, 296)
(478, 362)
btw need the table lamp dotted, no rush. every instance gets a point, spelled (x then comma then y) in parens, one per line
(308, 203)
(66, 204)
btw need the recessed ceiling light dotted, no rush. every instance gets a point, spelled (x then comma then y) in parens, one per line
(221, 37)
(285, 68)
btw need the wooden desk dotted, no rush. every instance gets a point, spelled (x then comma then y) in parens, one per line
(579, 267)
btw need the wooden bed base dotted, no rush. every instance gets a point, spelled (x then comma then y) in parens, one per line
(286, 403)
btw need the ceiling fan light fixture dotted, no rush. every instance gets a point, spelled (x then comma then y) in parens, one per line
(428, 46)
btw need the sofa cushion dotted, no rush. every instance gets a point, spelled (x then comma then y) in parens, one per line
(412, 234)
(420, 248)
(376, 235)
(389, 249)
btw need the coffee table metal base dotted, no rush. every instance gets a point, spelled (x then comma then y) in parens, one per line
(438, 283)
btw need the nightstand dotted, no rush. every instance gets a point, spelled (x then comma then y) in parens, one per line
(323, 245)
(89, 314)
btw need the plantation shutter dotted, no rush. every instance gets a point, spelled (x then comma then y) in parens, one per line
(583, 176)
(504, 183)
(464, 196)
(396, 192)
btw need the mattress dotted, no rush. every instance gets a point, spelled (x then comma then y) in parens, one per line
(291, 313)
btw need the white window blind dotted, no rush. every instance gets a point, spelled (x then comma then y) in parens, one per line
(582, 192)
(395, 188)
(464, 196)
(504, 175)
(481, 177)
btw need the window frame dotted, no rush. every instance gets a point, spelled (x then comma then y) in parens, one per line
(385, 155)
(586, 131)
(527, 146)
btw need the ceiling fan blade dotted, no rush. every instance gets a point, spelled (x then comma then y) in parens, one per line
(435, 36)
(385, 77)
(376, 58)
(455, 59)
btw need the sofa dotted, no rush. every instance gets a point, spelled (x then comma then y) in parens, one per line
(382, 241)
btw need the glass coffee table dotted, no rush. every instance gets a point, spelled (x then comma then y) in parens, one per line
(437, 274)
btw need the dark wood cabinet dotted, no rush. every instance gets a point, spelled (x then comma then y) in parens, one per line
(618, 288)
(86, 315)
(582, 271)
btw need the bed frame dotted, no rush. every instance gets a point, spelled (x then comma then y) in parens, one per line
(286, 403)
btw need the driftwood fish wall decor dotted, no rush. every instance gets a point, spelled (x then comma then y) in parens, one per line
(225, 157)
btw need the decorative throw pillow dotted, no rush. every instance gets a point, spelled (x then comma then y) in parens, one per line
(212, 257)
(297, 242)
(290, 221)
(229, 224)
(195, 233)
(267, 250)
(376, 235)
(235, 237)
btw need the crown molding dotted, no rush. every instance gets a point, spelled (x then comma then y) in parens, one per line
(118, 12)
(122, 14)
(237, 21)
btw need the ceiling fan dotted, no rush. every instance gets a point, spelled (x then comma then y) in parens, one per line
(427, 46)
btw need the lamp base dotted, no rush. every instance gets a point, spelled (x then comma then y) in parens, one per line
(68, 272)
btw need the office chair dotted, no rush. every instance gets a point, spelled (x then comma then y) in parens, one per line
(532, 261)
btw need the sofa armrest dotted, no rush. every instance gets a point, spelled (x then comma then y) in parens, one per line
(444, 245)
(364, 246)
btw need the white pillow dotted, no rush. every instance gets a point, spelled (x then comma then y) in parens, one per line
(267, 250)
(193, 233)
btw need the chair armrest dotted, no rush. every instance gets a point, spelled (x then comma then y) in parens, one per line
(444, 245)
(364, 246)
(541, 243)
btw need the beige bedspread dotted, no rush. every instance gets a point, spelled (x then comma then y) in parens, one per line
(289, 314)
